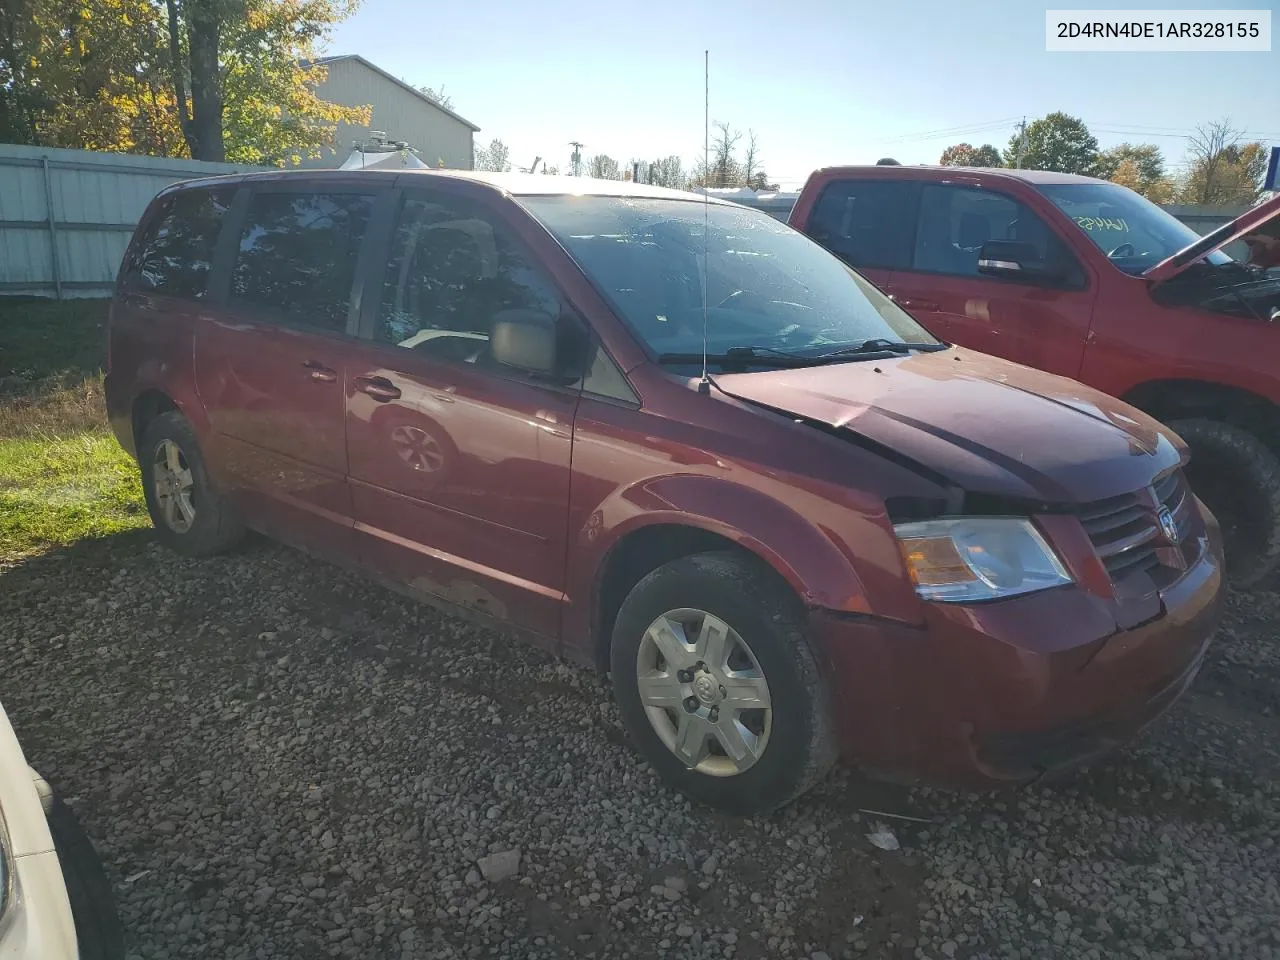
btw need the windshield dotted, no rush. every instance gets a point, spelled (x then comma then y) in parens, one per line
(1133, 232)
(767, 286)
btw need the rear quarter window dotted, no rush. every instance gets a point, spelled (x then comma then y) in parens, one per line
(173, 253)
(866, 223)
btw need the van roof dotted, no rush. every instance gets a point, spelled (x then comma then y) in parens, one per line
(515, 184)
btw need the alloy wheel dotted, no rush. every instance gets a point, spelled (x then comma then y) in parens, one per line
(704, 692)
(174, 486)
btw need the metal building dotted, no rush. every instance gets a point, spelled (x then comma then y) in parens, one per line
(440, 136)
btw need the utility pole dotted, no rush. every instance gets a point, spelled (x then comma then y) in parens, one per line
(1022, 142)
(576, 157)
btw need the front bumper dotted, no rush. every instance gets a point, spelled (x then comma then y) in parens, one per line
(1009, 692)
(38, 924)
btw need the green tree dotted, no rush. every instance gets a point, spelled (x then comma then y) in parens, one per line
(603, 167)
(437, 96)
(1057, 142)
(668, 172)
(496, 157)
(967, 155)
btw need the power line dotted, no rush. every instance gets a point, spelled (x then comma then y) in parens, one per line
(946, 131)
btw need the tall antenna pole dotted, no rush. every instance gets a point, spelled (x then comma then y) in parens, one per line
(1022, 142)
(704, 385)
(577, 157)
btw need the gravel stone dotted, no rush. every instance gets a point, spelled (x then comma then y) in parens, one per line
(500, 866)
(259, 788)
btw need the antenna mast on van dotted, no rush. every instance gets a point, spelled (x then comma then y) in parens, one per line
(704, 385)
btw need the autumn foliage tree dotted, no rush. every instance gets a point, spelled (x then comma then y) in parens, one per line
(1140, 167)
(1222, 167)
(209, 79)
(967, 155)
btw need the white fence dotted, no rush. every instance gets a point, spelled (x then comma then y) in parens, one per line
(66, 215)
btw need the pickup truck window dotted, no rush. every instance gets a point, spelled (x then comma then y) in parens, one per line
(1133, 232)
(766, 284)
(955, 223)
(866, 223)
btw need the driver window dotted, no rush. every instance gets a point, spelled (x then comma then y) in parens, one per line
(452, 268)
(955, 222)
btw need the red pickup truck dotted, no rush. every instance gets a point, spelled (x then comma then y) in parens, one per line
(1088, 279)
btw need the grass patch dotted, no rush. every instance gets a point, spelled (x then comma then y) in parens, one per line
(57, 409)
(63, 476)
(42, 339)
(55, 490)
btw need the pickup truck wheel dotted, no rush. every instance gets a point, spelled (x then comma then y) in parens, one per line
(190, 515)
(98, 932)
(1238, 478)
(717, 684)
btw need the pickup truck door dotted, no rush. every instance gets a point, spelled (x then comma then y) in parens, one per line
(1043, 325)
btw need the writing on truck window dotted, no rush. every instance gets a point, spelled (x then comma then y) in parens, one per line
(1113, 224)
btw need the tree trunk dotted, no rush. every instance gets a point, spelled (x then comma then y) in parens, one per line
(203, 27)
(201, 120)
(178, 74)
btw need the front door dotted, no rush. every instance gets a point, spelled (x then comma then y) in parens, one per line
(1038, 324)
(459, 467)
(271, 363)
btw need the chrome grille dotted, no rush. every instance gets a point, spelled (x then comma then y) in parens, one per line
(1125, 530)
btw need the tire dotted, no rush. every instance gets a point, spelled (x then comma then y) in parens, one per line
(214, 526)
(1238, 478)
(98, 931)
(795, 739)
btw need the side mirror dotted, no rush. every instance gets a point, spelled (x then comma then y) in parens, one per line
(525, 340)
(1014, 260)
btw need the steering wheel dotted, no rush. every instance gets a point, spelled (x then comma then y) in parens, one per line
(1124, 250)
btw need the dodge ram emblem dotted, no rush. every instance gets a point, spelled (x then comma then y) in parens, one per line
(1168, 526)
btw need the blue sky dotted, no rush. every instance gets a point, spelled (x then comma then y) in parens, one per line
(820, 82)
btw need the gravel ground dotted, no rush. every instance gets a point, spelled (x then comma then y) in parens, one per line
(278, 760)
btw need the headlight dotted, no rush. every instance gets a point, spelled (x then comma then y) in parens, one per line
(963, 559)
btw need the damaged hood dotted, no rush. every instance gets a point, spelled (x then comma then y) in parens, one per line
(985, 424)
(1261, 222)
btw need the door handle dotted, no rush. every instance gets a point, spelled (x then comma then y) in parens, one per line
(319, 372)
(380, 388)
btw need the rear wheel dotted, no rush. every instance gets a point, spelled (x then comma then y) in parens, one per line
(717, 684)
(190, 515)
(1238, 478)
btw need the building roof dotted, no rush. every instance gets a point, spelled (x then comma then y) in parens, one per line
(323, 61)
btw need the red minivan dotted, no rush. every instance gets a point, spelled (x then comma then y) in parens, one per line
(1090, 280)
(678, 440)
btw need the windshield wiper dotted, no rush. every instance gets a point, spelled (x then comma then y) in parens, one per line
(771, 357)
(743, 356)
(879, 345)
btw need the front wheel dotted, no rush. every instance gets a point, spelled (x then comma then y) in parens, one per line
(1238, 478)
(717, 684)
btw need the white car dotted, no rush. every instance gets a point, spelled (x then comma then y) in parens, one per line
(55, 902)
